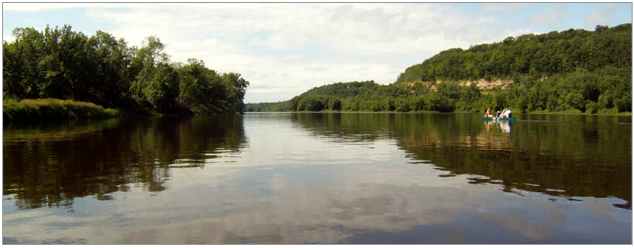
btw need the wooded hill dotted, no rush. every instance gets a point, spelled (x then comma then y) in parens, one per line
(576, 71)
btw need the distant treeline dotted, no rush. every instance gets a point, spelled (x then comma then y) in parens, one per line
(63, 64)
(575, 71)
(370, 96)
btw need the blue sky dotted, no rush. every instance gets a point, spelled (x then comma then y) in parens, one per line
(285, 49)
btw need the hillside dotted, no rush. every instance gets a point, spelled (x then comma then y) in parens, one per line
(529, 57)
(343, 90)
(575, 71)
(322, 94)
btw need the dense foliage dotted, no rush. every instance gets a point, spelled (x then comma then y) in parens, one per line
(64, 64)
(370, 96)
(576, 71)
(530, 57)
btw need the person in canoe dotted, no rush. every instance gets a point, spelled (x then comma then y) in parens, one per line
(488, 113)
(506, 113)
(497, 115)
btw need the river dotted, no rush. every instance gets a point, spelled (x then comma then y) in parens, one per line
(295, 178)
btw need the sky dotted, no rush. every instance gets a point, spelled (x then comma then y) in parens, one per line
(284, 49)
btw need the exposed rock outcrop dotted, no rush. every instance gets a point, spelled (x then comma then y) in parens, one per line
(481, 83)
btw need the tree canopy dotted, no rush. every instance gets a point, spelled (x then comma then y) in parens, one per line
(530, 57)
(65, 64)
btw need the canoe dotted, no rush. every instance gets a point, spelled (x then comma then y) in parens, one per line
(499, 119)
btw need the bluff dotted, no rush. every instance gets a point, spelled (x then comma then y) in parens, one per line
(528, 57)
(574, 71)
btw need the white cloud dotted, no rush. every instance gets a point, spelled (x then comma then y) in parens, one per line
(38, 6)
(8, 38)
(601, 16)
(316, 67)
(311, 44)
(493, 7)
(552, 16)
(31, 7)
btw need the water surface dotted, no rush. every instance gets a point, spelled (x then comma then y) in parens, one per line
(319, 178)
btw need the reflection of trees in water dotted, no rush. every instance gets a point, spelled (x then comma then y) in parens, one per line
(44, 171)
(345, 127)
(567, 158)
(554, 175)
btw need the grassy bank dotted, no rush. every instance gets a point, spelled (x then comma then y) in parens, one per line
(48, 109)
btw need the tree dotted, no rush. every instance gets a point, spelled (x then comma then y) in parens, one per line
(144, 62)
(65, 64)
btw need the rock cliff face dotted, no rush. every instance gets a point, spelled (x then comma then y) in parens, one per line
(487, 85)
(481, 83)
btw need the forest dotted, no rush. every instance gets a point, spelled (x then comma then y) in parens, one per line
(574, 71)
(59, 63)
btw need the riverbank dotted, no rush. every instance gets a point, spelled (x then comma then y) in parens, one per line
(455, 112)
(48, 109)
(335, 111)
(55, 109)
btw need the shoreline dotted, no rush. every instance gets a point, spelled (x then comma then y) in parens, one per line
(438, 112)
(51, 109)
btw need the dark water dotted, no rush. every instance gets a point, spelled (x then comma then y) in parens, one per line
(320, 178)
